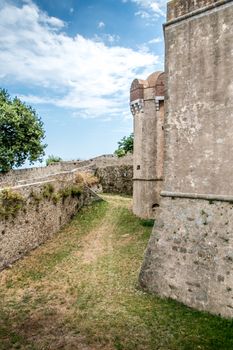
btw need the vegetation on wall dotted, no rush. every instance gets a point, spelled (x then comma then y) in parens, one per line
(10, 203)
(48, 192)
(53, 159)
(21, 133)
(71, 191)
(125, 145)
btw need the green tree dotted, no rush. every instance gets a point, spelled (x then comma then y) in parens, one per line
(21, 133)
(53, 159)
(125, 145)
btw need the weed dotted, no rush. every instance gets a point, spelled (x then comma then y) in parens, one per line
(76, 191)
(10, 203)
(48, 190)
(36, 196)
(73, 191)
(147, 222)
(56, 197)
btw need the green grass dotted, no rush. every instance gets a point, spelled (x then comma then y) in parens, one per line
(81, 288)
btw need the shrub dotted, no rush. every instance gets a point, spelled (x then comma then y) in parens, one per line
(10, 202)
(53, 159)
(48, 190)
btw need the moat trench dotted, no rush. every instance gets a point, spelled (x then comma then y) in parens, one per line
(79, 291)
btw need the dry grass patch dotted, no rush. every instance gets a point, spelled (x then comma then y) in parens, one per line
(87, 178)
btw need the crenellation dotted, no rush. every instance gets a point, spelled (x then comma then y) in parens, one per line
(137, 90)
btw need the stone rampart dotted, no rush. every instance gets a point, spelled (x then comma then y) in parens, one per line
(14, 177)
(32, 213)
(36, 174)
(35, 203)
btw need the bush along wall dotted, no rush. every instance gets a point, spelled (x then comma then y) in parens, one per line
(30, 214)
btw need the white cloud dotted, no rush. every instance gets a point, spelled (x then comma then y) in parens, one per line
(75, 72)
(107, 38)
(149, 8)
(143, 14)
(112, 38)
(155, 40)
(101, 25)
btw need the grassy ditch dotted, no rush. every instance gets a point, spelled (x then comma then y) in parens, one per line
(79, 291)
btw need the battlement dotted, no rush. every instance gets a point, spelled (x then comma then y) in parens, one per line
(179, 8)
(155, 83)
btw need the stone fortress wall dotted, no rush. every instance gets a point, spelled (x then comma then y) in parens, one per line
(21, 176)
(190, 254)
(37, 202)
(32, 213)
(116, 179)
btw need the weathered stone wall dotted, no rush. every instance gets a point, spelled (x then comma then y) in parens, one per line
(189, 257)
(14, 177)
(115, 174)
(116, 179)
(42, 215)
(199, 104)
(178, 8)
(100, 161)
(23, 176)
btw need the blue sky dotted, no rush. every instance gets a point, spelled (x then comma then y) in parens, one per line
(74, 61)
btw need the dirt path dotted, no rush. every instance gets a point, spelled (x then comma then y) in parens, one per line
(99, 241)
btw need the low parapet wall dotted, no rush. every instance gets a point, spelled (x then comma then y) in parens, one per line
(14, 177)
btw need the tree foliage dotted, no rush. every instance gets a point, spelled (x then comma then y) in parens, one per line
(21, 133)
(125, 145)
(53, 159)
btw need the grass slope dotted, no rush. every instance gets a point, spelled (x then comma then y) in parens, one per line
(79, 292)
